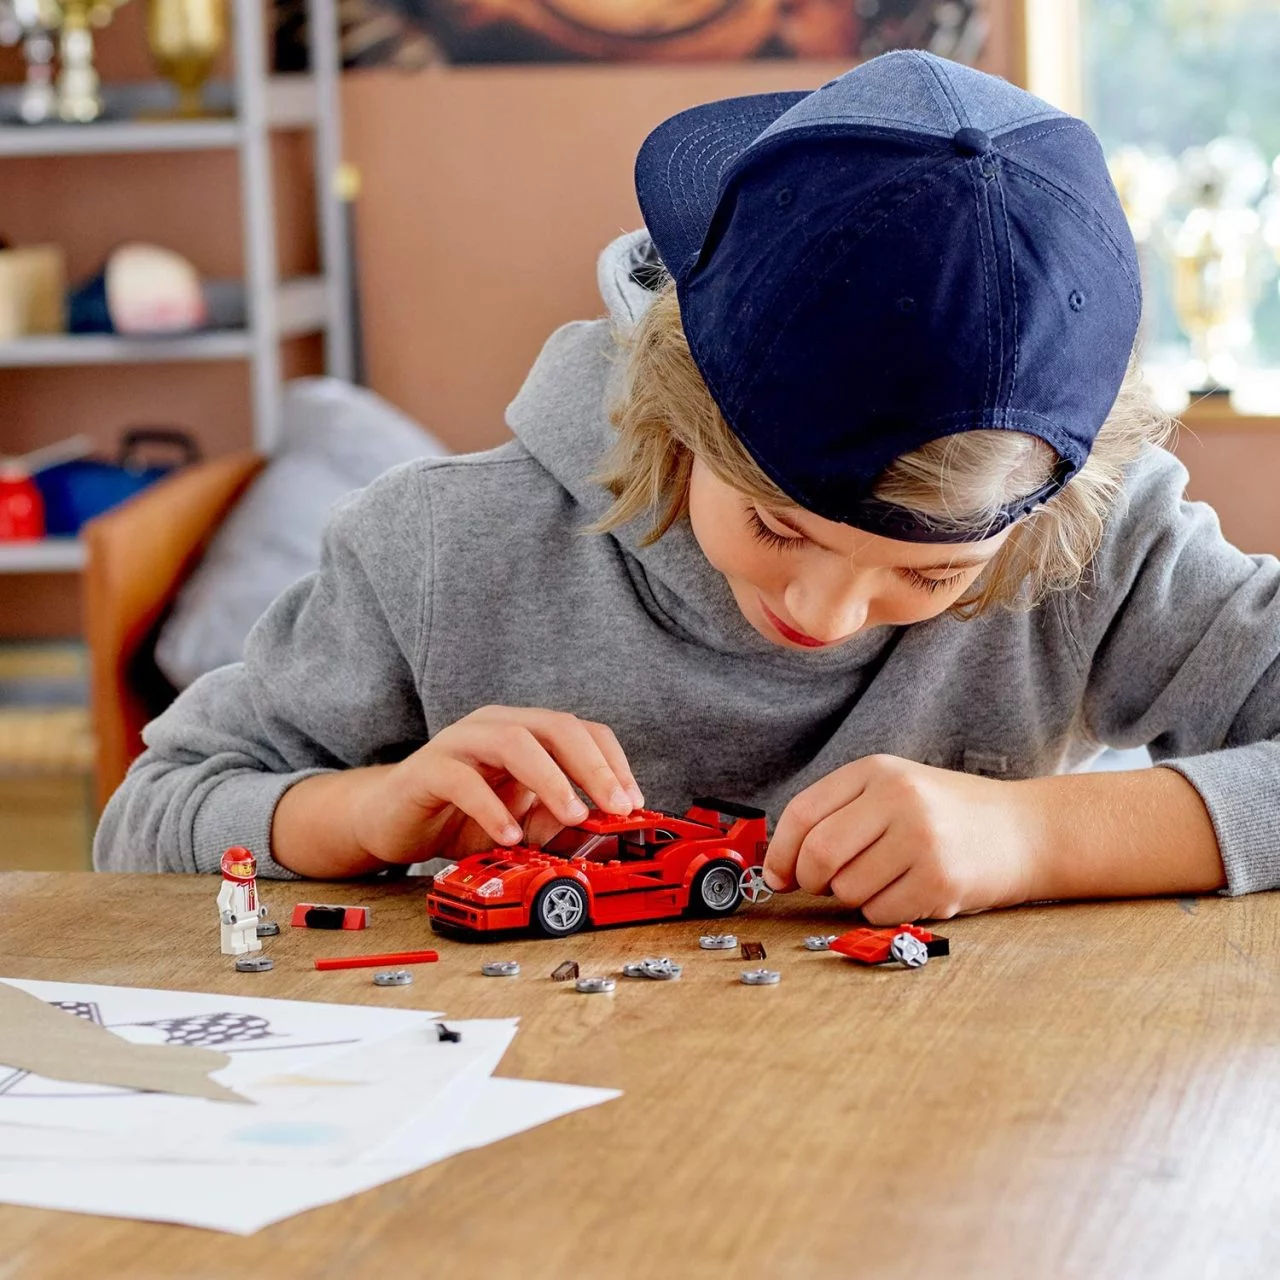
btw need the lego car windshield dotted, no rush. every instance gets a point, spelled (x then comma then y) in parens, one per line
(573, 843)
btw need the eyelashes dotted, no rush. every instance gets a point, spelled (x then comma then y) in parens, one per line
(762, 533)
(930, 584)
(771, 538)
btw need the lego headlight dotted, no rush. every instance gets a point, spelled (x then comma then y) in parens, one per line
(490, 888)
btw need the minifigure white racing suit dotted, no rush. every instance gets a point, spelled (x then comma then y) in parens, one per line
(238, 909)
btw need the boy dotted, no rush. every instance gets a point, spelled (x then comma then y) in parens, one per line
(828, 558)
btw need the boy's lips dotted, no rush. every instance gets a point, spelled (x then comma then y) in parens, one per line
(796, 637)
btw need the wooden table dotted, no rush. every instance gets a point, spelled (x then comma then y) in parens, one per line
(1081, 1091)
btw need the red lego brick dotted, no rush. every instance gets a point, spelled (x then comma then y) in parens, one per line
(320, 915)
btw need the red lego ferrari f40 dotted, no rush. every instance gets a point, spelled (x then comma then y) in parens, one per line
(608, 869)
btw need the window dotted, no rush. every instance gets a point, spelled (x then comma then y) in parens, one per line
(1185, 96)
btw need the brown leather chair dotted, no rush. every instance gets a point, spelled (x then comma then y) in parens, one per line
(139, 554)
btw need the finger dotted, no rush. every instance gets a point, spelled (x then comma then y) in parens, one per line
(513, 750)
(612, 751)
(460, 785)
(541, 825)
(871, 872)
(805, 811)
(838, 841)
(568, 740)
(518, 798)
(898, 902)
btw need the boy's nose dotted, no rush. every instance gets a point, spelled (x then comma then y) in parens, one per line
(832, 619)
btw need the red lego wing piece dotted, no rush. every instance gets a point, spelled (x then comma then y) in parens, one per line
(871, 946)
(867, 946)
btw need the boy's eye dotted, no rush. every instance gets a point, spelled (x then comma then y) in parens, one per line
(770, 537)
(931, 584)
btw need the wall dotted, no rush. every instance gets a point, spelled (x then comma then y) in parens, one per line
(1233, 464)
(488, 192)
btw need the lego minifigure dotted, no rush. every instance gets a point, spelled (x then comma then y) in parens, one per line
(238, 909)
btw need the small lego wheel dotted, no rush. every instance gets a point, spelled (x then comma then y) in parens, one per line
(716, 890)
(560, 908)
(752, 886)
(501, 969)
(910, 951)
(819, 941)
(718, 941)
(595, 986)
(761, 977)
(392, 978)
(254, 963)
(267, 929)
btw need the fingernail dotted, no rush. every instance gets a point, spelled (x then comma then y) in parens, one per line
(577, 810)
(621, 801)
(636, 797)
(772, 881)
(510, 835)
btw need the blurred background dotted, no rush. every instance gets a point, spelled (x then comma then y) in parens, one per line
(252, 254)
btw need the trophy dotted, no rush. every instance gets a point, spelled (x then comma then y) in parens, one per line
(186, 37)
(1216, 253)
(32, 22)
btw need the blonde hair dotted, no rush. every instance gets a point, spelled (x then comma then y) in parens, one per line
(665, 416)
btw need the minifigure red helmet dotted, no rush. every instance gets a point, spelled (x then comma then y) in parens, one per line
(239, 864)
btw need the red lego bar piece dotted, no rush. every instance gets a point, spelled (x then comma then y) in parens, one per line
(871, 946)
(372, 962)
(319, 915)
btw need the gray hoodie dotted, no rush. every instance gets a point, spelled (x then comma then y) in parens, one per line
(453, 583)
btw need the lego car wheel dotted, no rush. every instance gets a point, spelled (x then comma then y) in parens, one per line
(752, 886)
(715, 890)
(560, 908)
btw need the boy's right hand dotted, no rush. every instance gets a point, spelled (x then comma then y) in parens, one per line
(477, 781)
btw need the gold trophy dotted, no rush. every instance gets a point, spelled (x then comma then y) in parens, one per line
(186, 37)
(1215, 253)
(78, 88)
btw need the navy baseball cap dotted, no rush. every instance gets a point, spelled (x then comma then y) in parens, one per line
(913, 250)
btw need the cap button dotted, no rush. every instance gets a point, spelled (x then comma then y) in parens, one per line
(970, 142)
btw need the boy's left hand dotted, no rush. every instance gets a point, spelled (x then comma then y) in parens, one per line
(906, 841)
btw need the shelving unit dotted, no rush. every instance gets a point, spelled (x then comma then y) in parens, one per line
(256, 105)
(51, 555)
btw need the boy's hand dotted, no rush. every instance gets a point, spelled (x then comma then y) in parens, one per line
(476, 781)
(904, 841)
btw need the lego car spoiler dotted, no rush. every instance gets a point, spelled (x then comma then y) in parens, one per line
(726, 808)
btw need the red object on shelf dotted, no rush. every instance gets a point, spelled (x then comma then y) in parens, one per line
(608, 869)
(871, 946)
(21, 508)
(369, 962)
(320, 915)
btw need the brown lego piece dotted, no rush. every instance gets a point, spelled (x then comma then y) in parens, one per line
(753, 951)
(563, 972)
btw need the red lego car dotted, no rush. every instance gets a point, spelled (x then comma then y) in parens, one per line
(648, 865)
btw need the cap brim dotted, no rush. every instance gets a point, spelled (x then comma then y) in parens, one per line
(681, 164)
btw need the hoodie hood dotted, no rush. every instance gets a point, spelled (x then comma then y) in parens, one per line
(561, 416)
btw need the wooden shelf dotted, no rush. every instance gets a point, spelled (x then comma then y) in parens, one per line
(290, 104)
(300, 309)
(1215, 413)
(49, 555)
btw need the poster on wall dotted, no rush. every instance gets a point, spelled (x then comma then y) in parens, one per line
(420, 32)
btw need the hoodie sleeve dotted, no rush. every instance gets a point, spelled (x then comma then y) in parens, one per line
(1179, 633)
(329, 681)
